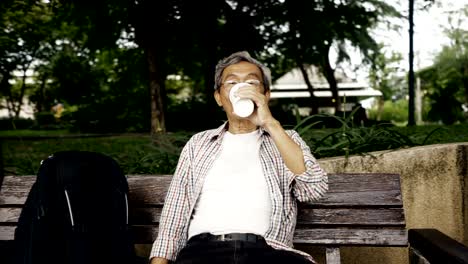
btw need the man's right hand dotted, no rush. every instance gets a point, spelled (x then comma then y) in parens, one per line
(159, 261)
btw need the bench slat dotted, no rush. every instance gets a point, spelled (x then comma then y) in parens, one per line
(354, 236)
(370, 189)
(9, 215)
(321, 216)
(352, 216)
(7, 233)
(320, 236)
(15, 189)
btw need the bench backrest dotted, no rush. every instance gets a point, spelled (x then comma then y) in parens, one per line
(359, 209)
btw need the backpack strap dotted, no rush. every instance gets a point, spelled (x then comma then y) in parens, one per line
(60, 176)
(70, 211)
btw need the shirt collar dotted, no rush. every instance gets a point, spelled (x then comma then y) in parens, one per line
(219, 132)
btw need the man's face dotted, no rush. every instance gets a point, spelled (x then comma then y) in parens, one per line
(236, 73)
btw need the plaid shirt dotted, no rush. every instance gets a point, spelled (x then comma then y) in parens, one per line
(284, 186)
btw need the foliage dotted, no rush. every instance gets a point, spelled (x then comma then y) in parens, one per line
(336, 24)
(446, 81)
(188, 109)
(46, 121)
(15, 123)
(348, 139)
(119, 102)
(81, 43)
(20, 133)
(136, 154)
(139, 154)
(24, 29)
(193, 115)
(385, 75)
(95, 58)
(443, 94)
(167, 149)
(396, 111)
(383, 70)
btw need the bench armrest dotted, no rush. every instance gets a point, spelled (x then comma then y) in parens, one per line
(436, 247)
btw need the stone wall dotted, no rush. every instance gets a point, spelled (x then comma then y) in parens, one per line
(434, 182)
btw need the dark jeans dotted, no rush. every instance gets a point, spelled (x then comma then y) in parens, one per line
(235, 252)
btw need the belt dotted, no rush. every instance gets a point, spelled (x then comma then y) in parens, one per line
(228, 237)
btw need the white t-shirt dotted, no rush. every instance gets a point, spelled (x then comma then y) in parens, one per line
(235, 196)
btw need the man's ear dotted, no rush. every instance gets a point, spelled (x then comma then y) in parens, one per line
(217, 97)
(267, 94)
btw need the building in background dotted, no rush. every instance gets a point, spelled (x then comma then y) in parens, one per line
(291, 89)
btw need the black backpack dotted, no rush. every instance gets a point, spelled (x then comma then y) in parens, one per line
(76, 213)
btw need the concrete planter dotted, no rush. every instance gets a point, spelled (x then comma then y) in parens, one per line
(434, 182)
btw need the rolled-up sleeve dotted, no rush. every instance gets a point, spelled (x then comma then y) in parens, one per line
(171, 236)
(313, 183)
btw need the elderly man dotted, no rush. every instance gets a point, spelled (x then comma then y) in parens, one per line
(233, 195)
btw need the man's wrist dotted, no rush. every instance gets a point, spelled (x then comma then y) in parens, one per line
(157, 260)
(271, 125)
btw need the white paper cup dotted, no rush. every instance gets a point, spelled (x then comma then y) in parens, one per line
(242, 107)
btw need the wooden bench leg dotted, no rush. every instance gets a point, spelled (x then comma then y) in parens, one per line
(333, 255)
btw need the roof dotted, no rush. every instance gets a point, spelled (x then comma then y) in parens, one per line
(292, 85)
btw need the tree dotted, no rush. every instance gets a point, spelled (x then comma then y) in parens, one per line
(185, 38)
(446, 81)
(411, 93)
(454, 57)
(311, 28)
(382, 75)
(173, 34)
(23, 31)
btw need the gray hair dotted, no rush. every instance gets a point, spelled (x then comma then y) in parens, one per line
(236, 58)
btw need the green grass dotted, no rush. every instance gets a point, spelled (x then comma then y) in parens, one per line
(135, 154)
(33, 133)
(347, 141)
(442, 134)
(141, 154)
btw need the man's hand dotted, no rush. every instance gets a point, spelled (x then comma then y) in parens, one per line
(262, 116)
(159, 261)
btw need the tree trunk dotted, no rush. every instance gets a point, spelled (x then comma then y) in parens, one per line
(158, 122)
(40, 104)
(464, 74)
(150, 21)
(329, 74)
(310, 88)
(300, 61)
(411, 119)
(17, 108)
(5, 88)
(380, 108)
(210, 41)
(10, 99)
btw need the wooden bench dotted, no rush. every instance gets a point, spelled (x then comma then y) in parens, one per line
(358, 210)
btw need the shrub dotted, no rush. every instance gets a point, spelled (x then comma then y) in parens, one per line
(348, 140)
(107, 117)
(193, 115)
(395, 111)
(46, 121)
(15, 123)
